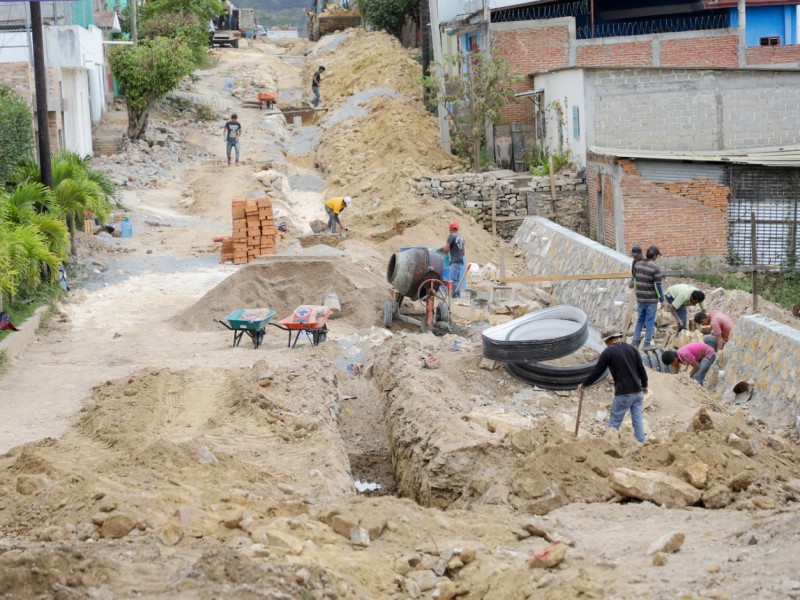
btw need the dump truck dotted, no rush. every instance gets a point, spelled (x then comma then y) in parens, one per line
(225, 33)
(247, 22)
(324, 19)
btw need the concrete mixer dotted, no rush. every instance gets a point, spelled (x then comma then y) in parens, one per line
(416, 274)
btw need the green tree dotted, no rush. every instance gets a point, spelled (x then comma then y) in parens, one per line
(16, 131)
(474, 89)
(181, 21)
(147, 72)
(388, 15)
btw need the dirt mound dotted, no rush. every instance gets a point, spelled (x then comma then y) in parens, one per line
(738, 303)
(283, 283)
(457, 443)
(367, 60)
(376, 159)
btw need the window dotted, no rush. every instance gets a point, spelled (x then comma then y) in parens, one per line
(774, 40)
(576, 123)
(541, 124)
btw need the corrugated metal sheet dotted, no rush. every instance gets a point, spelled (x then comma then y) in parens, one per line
(669, 171)
(779, 156)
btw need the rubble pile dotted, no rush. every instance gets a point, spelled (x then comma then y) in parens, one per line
(147, 162)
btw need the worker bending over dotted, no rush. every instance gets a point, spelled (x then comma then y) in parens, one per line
(721, 327)
(334, 208)
(676, 298)
(698, 355)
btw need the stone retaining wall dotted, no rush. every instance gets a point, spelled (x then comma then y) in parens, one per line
(475, 192)
(765, 352)
(551, 249)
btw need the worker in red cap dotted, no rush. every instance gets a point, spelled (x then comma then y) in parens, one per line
(455, 247)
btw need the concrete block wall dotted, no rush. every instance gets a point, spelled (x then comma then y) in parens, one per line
(554, 250)
(766, 352)
(682, 109)
(474, 193)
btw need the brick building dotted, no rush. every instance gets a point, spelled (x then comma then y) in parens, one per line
(539, 38)
(697, 205)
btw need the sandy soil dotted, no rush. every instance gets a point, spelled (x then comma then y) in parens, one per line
(146, 457)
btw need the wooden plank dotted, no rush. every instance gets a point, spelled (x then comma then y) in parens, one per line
(579, 277)
(502, 219)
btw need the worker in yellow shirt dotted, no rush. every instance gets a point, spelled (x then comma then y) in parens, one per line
(334, 207)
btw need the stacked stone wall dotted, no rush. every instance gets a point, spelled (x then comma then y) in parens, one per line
(475, 192)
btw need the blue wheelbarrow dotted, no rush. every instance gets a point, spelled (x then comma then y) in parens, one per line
(250, 321)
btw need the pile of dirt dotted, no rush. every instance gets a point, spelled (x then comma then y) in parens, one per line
(457, 444)
(738, 303)
(283, 283)
(366, 60)
(376, 158)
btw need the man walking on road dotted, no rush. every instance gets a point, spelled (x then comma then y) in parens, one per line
(647, 282)
(721, 327)
(232, 131)
(334, 207)
(630, 381)
(315, 83)
(698, 355)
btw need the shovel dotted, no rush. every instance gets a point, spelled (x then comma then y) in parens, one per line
(580, 408)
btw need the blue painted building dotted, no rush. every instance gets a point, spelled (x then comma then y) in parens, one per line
(769, 25)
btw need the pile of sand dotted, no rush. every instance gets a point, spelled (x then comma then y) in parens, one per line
(366, 60)
(283, 283)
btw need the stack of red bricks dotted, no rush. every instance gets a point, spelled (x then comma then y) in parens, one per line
(254, 231)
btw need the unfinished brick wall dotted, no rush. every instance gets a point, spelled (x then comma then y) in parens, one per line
(684, 219)
(19, 77)
(529, 50)
(719, 52)
(633, 54)
(773, 55)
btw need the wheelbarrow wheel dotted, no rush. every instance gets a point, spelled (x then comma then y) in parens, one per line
(388, 313)
(443, 312)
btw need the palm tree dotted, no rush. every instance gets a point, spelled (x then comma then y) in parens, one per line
(77, 189)
(34, 204)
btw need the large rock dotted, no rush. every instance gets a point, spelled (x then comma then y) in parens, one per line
(117, 525)
(718, 496)
(667, 544)
(655, 487)
(701, 421)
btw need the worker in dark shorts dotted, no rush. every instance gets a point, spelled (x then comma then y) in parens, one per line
(455, 247)
(630, 381)
(315, 83)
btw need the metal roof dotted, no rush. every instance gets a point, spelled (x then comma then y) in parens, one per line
(775, 156)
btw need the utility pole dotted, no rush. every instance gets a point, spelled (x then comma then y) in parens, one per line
(741, 9)
(134, 35)
(487, 56)
(444, 127)
(40, 77)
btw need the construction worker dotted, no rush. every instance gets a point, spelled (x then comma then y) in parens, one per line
(334, 208)
(698, 355)
(455, 248)
(232, 131)
(637, 254)
(630, 380)
(721, 327)
(677, 296)
(315, 83)
(647, 280)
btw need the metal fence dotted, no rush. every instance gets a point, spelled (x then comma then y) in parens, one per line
(773, 194)
(601, 30)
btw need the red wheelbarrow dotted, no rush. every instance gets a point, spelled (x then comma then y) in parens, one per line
(307, 318)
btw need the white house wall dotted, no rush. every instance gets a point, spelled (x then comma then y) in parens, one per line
(567, 89)
(77, 115)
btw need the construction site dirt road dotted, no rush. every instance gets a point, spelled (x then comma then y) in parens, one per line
(145, 457)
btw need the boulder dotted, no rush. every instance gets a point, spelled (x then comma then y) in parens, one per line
(548, 558)
(117, 526)
(745, 446)
(697, 474)
(717, 496)
(655, 487)
(701, 421)
(667, 544)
